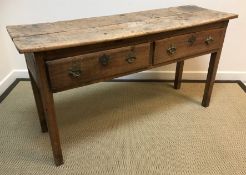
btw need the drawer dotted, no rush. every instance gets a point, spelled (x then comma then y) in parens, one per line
(187, 45)
(79, 70)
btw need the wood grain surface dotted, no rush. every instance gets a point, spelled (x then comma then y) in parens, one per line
(93, 70)
(184, 48)
(63, 34)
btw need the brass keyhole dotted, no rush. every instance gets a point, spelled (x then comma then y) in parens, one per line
(104, 59)
(131, 57)
(192, 40)
(172, 50)
(209, 40)
(75, 70)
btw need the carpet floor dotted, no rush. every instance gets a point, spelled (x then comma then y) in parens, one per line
(128, 128)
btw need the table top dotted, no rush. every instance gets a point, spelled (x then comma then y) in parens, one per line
(64, 34)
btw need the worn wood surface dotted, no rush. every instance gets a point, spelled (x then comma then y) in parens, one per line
(212, 70)
(31, 65)
(50, 36)
(184, 48)
(49, 108)
(211, 75)
(79, 50)
(39, 104)
(178, 74)
(91, 69)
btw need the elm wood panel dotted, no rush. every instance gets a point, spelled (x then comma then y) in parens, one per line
(136, 71)
(92, 69)
(39, 104)
(49, 107)
(31, 65)
(99, 80)
(139, 70)
(184, 48)
(50, 36)
(178, 74)
(212, 71)
(73, 51)
(183, 58)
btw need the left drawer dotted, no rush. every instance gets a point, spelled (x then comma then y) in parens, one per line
(71, 72)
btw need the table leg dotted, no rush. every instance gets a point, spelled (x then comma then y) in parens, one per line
(39, 104)
(52, 127)
(178, 74)
(48, 103)
(212, 70)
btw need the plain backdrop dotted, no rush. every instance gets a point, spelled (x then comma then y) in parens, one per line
(13, 12)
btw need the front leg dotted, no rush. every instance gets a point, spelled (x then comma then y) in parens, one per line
(212, 70)
(178, 74)
(49, 108)
(39, 104)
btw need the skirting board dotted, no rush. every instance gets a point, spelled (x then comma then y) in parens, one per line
(11, 77)
(147, 75)
(187, 75)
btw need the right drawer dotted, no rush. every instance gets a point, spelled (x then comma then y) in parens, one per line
(187, 45)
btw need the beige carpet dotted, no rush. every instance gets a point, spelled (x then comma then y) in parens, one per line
(128, 129)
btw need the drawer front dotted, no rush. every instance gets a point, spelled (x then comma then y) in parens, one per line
(187, 45)
(79, 70)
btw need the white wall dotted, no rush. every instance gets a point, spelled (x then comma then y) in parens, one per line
(12, 12)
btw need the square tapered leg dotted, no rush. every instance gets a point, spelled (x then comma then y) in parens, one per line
(45, 103)
(212, 70)
(178, 74)
(39, 104)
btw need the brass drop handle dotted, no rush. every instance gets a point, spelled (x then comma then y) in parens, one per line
(209, 40)
(131, 57)
(104, 59)
(74, 72)
(172, 50)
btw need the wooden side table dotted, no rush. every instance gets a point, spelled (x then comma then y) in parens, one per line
(69, 54)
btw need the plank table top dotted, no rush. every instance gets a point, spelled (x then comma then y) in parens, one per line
(65, 34)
